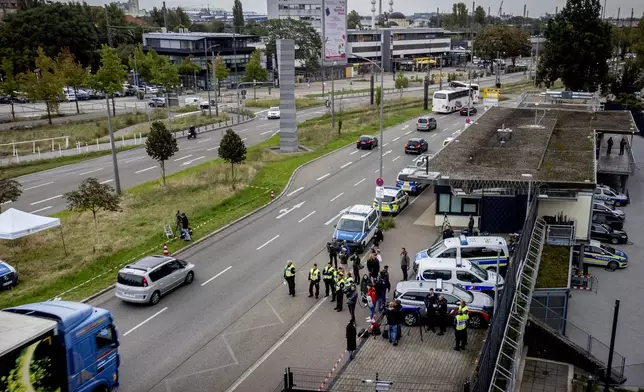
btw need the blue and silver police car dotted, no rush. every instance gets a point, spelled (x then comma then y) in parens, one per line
(357, 226)
(610, 195)
(596, 253)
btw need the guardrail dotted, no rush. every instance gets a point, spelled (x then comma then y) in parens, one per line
(562, 235)
(13, 145)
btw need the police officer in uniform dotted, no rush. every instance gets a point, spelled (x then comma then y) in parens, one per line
(328, 275)
(332, 247)
(461, 330)
(339, 291)
(314, 281)
(289, 276)
(462, 306)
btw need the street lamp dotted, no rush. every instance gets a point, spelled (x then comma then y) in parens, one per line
(206, 49)
(333, 95)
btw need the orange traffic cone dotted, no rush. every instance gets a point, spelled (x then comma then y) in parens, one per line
(165, 249)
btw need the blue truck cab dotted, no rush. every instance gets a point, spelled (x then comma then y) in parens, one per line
(70, 347)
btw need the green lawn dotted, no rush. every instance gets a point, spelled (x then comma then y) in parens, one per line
(300, 103)
(204, 192)
(178, 123)
(338, 93)
(553, 267)
(526, 86)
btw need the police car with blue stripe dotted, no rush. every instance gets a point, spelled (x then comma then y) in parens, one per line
(485, 251)
(596, 253)
(405, 183)
(610, 195)
(459, 272)
(357, 226)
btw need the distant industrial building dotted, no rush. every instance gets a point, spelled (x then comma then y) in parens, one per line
(307, 10)
(207, 15)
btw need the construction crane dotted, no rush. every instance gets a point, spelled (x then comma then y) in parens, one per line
(500, 9)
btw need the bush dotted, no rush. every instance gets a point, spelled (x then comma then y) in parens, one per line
(386, 223)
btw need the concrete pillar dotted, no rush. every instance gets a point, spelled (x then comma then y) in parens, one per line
(288, 123)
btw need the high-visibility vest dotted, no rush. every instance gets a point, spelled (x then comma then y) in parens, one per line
(461, 322)
(314, 274)
(288, 271)
(464, 309)
(328, 273)
(339, 284)
(348, 281)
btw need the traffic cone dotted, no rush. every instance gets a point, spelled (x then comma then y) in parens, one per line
(272, 195)
(165, 249)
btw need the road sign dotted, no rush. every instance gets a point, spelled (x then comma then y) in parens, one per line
(380, 192)
(380, 182)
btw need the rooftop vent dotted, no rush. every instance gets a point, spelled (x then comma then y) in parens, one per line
(504, 134)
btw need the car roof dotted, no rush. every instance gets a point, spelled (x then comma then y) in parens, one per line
(274, 108)
(428, 262)
(359, 209)
(369, 136)
(403, 287)
(474, 241)
(148, 263)
(391, 191)
(595, 243)
(415, 139)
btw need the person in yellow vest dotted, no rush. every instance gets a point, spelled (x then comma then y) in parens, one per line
(462, 306)
(461, 330)
(339, 291)
(328, 275)
(289, 276)
(314, 281)
(348, 281)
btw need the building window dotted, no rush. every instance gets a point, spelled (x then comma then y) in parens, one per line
(450, 204)
(443, 202)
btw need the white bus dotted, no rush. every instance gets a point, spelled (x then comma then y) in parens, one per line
(475, 89)
(448, 101)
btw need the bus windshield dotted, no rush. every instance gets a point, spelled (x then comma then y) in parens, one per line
(440, 96)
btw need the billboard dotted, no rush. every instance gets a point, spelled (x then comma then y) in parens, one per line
(334, 28)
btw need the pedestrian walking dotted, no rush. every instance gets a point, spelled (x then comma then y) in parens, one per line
(372, 265)
(442, 315)
(371, 300)
(185, 227)
(339, 291)
(357, 266)
(314, 281)
(385, 276)
(332, 248)
(378, 237)
(622, 145)
(289, 276)
(327, 275)
(470, 225)
(351, 333)
(609, 145)
(431, 301)
(404, 263)
(352, 300)
(381, 293)
(178, 223)
(460, 330)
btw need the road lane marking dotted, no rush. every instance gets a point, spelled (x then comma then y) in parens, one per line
(434, 135)
(387, 152)
(146, 320)
(194, 160)
(323, 177)
(182, 158)
(407, 133)
(337, 216)
(455, 124)
(355, 152)
(6, 202)
(377, 170)
(214, 148)
(243, 130)
(295, 191)
(244, 139)
(42, 201)
(38, 186)
(442, 117)
(345, 165)
(396, 158)
(360, 182)
(341, 193)
(264, 133)
(91, 171)
(216, 276)
(364, 155)
(106, 181)
(396, 139)
(301, 220)
(268, 242)
(144, 170)
(405, 127)
(204, 140)
(385, 145)
(262, 125)
(135, 159)
(42, 209)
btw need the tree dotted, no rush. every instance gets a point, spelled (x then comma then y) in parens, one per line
(93, 196)
(187, 67)
(308, 45)
(459, 15)
(577, 47)
(9, 190)
(254, 27)
(74, 75)
(232, 150)
(166, 75)
(220, 70)
(9, 85)
(146, 63)
(160, 145)
(111, 15)
(46, 84)
(353, 20)
(502, 41)
(402, 82)
(479, 16)
(378, 96)
(176, 18)
(254, 70)
(111, 74)
(217, 26)
(238, 15)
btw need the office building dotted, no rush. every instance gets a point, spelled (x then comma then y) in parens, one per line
(307, 10)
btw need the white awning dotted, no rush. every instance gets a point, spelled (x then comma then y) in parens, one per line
(15, 224)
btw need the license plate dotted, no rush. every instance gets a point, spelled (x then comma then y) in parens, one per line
(128, 295)
(7, 283)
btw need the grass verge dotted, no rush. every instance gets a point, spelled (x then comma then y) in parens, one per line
(176, 124)
(526, 86)
(339, 93)
(300, 103)
(553, 267)
(204, 192)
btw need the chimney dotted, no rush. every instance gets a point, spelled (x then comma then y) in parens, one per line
(503, 135)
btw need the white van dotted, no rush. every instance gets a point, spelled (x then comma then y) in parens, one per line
(481, 250)
(459, 272)
(192, 101)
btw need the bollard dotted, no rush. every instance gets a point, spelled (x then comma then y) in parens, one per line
(38, 152)
(60, 151)
(140, 138)
(86, 148)
(34, 145)
(98, 146)
(52, 145)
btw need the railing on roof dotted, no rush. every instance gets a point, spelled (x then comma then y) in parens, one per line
(563, 235)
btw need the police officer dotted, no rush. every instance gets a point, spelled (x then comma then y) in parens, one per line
(463, 307)
(339, 290)
(328, 275)
(349, 282)
(289, 276)
(332, 247)
(314, 281)
(461, 330)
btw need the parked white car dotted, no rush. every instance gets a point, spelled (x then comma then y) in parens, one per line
(273, 112)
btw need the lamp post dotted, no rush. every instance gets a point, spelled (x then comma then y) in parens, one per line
(527, 207)
(333, 95)
(206, 49)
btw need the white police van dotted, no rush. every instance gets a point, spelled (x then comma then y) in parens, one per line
(463, 273)
(357, 226)
(485, 251)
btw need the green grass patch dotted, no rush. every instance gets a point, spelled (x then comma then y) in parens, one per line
(553, 267)
(386, 223)
(526, 86)
(178, 123)
(300, 103)
(339, 93)
(204, 192)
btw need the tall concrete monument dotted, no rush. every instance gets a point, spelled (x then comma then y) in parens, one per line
(288, 123)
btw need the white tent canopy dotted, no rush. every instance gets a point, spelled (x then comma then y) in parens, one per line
(15, 224)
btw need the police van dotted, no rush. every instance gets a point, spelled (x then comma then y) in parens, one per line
(459, 272)
(405, 183)
(481, 250)
(596, 253)
(357, 226)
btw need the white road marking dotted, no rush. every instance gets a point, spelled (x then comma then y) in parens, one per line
(336, 217)
(385, 145)
(91, 171)
(204, 140)
(214, 148)
(182, 158)
(442, 117)
(243, 130)
(341, 193)
(377, 170)
(38, 186)
(216, 276)
(264, 133)
(106, 181)
(405, 127)
(396, 139)
(277, 345)
(387, 152)
(146, 320)
(42, 201)
(262, 125)
(345, 165)
(275, 133)
(456, 132)
(6, 202)
(407, 133)
(455, 124)
(193, 160)
(268, 242)
(360, 182)
(285, 211)
(144, 170)
(396, 158)
(135, 159)
(244, 139)
(356, 151)
(42, 209)
(364, 155)
(434, 135)
(295, 191)
(301, 220)
(323, 177)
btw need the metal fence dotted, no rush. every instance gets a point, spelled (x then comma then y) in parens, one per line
(563, 235)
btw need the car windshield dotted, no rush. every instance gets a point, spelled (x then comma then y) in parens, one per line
(440, 96)
(274, 109)
(130, 280)
(609, 249)
(479, 272)
(437, 249)
(413, 142)
(388, 199)
(422, 121)
(464, 295)
(352, 225)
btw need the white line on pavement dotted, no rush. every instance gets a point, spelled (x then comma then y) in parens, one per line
(277, 345)
(405, 127)
(193, 160)
(364, 155)
(91, 171)
(387, 152)
(264, 133)
(360, 182)
(42, 209)
(243, 130)
(295, 191)
(6, 202)
(407, 133)
(146, 320)
(275, 133)
(336, 217)
(182, 158)
(38, 186)
(204, 140)
(455, 124)
(396, 158)
(144, 170)
(377, 170)
(342, 193)
(106, 181)
(216, 276)
(385, 145)
(323, 177)
(345, 165)
(355, 152)
(268, 242)
(244, 139)
(42, 201)
(135, 159)
(214, 148)
(262, 125)
(455, 132)
(301, 220)
(395, 139)
(434, 135)
(442, 117)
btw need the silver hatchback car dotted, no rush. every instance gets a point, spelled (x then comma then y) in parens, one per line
(146, 280)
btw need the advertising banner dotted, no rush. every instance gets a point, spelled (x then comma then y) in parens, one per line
(335, 31)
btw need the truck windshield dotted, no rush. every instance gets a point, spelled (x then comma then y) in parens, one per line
(130, 280)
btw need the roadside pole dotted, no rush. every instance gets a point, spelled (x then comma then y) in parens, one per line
(117, 181)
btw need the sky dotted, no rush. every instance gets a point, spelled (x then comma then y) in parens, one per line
(408, 7)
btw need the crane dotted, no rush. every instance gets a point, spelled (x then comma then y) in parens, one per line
(500, 9)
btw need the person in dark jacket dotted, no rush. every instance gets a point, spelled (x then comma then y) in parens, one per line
(442, 314)
(609, 145)
(622, 146)
(357, 266)
(381, 292)
(404, 263)
(385, 275)
(393, 319)
(470, 225)
(185, 227)
(373, 265)
(431, 303)
(332, 248)
(351, 338)
(378, 237)
(352, 300)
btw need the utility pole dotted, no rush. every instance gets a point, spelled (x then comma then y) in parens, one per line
(117, 180)
(205, 49)
(165, 17)
(333, 95)
(236, 79)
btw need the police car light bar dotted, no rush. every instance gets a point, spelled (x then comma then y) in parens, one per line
(463, 239)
